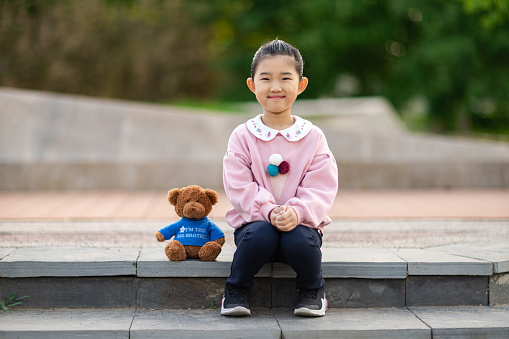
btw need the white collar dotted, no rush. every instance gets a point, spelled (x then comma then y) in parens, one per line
(297, 131)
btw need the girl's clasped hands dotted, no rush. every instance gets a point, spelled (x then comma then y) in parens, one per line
(284, 218)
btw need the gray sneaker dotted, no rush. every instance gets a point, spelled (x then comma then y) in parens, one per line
(235, 302)
(311, 303)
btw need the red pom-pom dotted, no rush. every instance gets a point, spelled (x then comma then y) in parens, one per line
(284, 167)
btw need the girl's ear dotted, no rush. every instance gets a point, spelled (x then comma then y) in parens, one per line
(250, 84)
(303, 84)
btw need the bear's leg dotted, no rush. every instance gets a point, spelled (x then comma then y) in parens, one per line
(175, 251)
(210, 251)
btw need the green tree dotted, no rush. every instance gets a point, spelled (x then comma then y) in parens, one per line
(450, 54)
(401, 49)
(458, 66)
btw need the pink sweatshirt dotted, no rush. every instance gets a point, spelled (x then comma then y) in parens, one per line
(311, 183)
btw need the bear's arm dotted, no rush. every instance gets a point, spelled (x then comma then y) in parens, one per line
(168, 231)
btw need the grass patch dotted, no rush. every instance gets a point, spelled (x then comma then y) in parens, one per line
(13, 300)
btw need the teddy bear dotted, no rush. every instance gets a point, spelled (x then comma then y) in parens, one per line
(196, 236)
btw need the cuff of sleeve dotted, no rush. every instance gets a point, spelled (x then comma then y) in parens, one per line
(163, 233)
(301, 213)
(266, 209)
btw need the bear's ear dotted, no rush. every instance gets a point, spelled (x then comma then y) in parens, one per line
(212, 196)
(173, 196)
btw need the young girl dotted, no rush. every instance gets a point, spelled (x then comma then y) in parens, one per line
(281, 179)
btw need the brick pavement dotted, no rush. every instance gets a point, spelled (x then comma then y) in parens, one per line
(391, 219)
(124, 205)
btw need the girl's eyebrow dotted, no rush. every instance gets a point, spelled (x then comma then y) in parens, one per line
(269, 73)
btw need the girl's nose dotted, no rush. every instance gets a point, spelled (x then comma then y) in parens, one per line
(276, 86)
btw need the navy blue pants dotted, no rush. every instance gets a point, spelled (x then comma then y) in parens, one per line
(260, 242)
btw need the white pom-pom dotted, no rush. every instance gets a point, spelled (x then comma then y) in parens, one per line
(275, 159)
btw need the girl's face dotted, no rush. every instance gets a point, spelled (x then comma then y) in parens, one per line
(276, 84)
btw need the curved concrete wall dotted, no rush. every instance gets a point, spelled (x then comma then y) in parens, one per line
(57, 141)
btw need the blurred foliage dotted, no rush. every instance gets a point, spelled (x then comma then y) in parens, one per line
(114, 48)
(493, 12)
(444, 64)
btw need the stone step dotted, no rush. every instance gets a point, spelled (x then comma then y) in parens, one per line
(414, 322)
(75, 277)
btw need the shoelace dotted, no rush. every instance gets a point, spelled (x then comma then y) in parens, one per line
(308, 294)
(237, 292)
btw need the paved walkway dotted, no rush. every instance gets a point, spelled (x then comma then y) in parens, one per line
(383, 219)
(124, 205)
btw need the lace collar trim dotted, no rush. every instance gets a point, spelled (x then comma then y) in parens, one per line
(296, 132)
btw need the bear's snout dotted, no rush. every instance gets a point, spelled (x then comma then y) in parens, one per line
(193, 210)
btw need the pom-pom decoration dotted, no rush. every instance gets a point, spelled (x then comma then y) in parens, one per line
(277, 165)
(273, 170)
(275, 159)
(284, 167)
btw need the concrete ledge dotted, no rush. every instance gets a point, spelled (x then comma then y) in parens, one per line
(419, 322)
(355, 323)
(130, 277)
(72, 292)
(495, 251)
(200, 324)
(151, 262)
(354, 263)
(465, 322)
(425, 262)
(57, 324)
(69, 262)
(446, 290)
(499, 289)
(5, 251)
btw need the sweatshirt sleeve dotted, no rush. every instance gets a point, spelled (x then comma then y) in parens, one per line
(215, 231)
(317, 190)
(170, 230)
(250, 200)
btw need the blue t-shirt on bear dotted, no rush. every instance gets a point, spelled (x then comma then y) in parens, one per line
(195, 232)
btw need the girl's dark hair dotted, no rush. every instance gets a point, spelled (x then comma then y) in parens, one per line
(278, 47)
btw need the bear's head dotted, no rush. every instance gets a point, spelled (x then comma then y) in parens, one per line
(192, 202)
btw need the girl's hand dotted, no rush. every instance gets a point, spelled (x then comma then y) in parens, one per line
(273, 215)
(284, 218)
